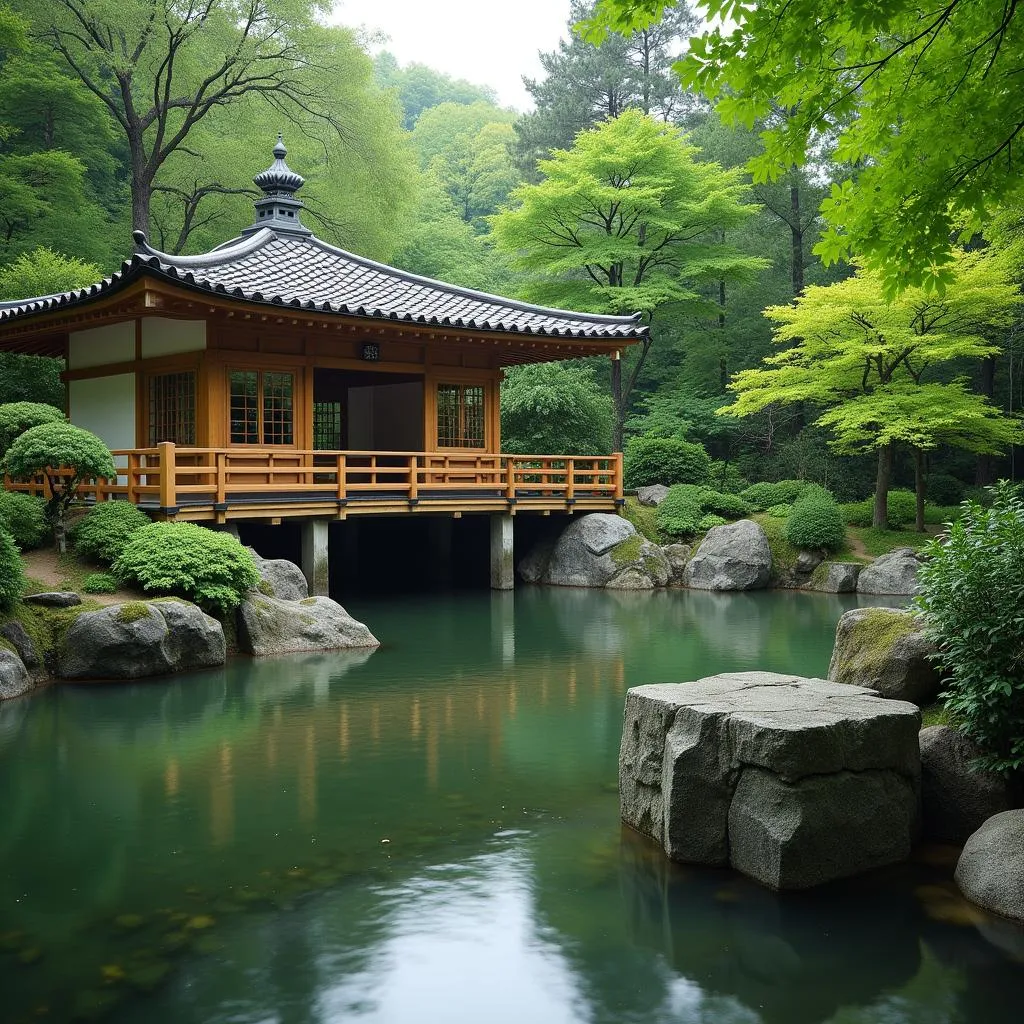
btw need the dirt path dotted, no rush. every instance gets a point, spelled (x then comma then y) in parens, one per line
(54, 572)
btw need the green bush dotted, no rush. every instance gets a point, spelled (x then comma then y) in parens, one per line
(181, 559)
(23, 516)
(944, 489)
(971, 590)
(766, 495)
(664, 460)
(779, 511)
(859, 513)
(816, 522)
(902, 509)
(681, 511)
(106, 528)
(710, 520)
(12, 574)
(731, 506)
(17, 417)
(726, 478)
(99, 583)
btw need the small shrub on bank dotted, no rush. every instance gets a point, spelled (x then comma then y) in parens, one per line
(23, 516)
(709, 521)
(99, 583)
(12, 575)
(901, 509)
(730, 506)
(779, 511)
(681, 511)
(106, 529)
(766, 495)
(971, 590)
(181, 559)
(664, 460)
(816, 522)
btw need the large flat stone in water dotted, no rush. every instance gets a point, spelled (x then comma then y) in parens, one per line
(793, 781)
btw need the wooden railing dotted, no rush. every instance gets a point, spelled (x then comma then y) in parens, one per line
(167, 476)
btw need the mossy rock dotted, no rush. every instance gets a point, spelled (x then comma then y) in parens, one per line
(132, 611)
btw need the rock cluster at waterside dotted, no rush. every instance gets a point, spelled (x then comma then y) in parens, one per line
(792, 781)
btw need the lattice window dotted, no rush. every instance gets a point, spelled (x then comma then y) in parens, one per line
(244, 407)
(277, 408)
(460, 416)
(172, 408)
(327, 426)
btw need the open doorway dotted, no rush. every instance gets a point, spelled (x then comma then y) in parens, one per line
(359, 411)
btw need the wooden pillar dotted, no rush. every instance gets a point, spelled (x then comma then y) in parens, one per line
(502, 568)
(315, 562)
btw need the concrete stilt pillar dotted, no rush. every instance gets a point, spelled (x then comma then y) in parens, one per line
(315, 562)
(502, 568)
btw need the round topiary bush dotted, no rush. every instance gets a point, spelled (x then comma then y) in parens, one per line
(816, 522)
(681, 511)
(944, 489)
(99, 583)
(23, 516)
(12, 575)
(664, 460)
(17, 417)
(766, 495)
(709, 521)
(182, 559)
(730, 506)
(901, 508)
(105, 530)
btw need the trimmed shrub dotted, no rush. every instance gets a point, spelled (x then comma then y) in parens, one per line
(23, 516)
(184, 560)
(859, 513)
(664, 460)
(816, 522)
(779, 511)
(12, 574)
(681, 511)
(944, 489)
(902, 509)
(710, 520)
(17, 417)
(971, 590)
(731, 506)
(99, 583)
(766, 495)
(105, 530)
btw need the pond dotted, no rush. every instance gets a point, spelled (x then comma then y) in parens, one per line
(430, 833)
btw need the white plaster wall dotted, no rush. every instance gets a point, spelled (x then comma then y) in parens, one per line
(162, 336)
(98, 346)
(106, 406)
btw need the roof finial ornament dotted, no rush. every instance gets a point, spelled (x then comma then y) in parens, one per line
(278, 208)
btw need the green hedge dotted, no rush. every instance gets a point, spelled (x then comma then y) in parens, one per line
(816, 522)
(766, 495)
(901, 510)
(105, 530)
(182, 559)
(99, 583)
(689, 509)
(664, 460)
(12, 575)
(23, 516)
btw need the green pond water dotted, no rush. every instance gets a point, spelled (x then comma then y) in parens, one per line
(429, 833)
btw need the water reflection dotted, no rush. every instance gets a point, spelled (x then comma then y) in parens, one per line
(353, 836)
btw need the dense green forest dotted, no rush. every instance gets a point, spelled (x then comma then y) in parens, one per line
(849, 292)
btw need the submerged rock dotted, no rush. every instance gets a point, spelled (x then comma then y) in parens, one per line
(534, 566)
(885, 649)
(735, 556)
(957, 798)
(268, 626)
(990, 871)
(894, 573)
(792, 781)
(602, 550)
(139, 639)
(678, 556)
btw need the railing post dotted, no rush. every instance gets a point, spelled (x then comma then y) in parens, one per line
(510, 478)
(617, 456)
(414, 478)
(342, 469)
(570, 480)
(134, 465)
(168, 491)
(221, 462)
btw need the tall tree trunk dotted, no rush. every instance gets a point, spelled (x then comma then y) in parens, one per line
(619, 411)
(919, 489)
(984, 471)
(880, 516)
(797, 233)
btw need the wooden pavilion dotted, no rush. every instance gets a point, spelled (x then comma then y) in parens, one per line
(280, 376)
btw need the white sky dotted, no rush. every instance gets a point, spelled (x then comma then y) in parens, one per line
(484, 41)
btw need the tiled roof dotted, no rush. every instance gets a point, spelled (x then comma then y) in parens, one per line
(299, 271)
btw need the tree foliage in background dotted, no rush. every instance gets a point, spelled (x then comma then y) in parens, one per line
(45, 272)
(554, 408)
(867, 361)
(627, 220)
(923, 99)
(971, 591)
